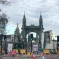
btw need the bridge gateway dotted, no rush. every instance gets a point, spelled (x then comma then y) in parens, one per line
(27, 29)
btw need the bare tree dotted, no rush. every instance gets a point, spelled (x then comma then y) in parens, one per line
(3, 22)
(5, 2)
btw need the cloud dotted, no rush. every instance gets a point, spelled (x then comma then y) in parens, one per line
(49, 10)
(10, 28)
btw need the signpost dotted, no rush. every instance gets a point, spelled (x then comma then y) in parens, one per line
(57, 43)
(1, 42)
(10, 46)
(35, 47)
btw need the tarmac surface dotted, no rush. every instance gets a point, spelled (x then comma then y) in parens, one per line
(26, 57)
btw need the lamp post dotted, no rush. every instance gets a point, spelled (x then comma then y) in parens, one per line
(53, 42)
(1, 42)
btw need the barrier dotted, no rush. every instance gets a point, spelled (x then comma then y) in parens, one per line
(46, 51)
(23, 51)
(12, 53)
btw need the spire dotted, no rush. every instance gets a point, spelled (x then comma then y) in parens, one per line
(40, 16)
(24, 19)
(17, 28)
(17, 24)
(24, 16)
(24, 13)
(40, 19)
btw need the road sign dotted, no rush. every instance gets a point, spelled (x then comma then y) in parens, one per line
(35, 47)
(10, 46)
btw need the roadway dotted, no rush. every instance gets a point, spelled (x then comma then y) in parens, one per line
(20, 57)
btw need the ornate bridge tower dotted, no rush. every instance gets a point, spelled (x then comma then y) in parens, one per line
(37, 29)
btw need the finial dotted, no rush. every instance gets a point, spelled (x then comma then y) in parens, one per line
(0, 10)
(40, 12)
(24, 12)
(17, 24)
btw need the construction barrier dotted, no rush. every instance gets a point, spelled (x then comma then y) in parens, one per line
(16, 50)
(12, 53)
(46, 51)
(50, 51)
(53, 51)
(23, 51)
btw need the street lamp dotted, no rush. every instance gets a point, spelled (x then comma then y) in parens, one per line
(53, 39)
(53, 42)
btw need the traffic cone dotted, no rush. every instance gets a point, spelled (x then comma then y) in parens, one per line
(17, 55)
(49, 54)
(42, 55)
(9, 55)
(33, 57)
(52, 57)
(57, 54)
(4, 55)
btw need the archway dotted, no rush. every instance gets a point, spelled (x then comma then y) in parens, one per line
(27, 29)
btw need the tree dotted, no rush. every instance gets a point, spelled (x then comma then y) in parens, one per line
(4, 2)
(3, 22)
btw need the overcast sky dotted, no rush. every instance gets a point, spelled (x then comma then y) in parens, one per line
(49, 10)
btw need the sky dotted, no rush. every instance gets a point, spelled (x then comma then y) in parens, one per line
(49, 10)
